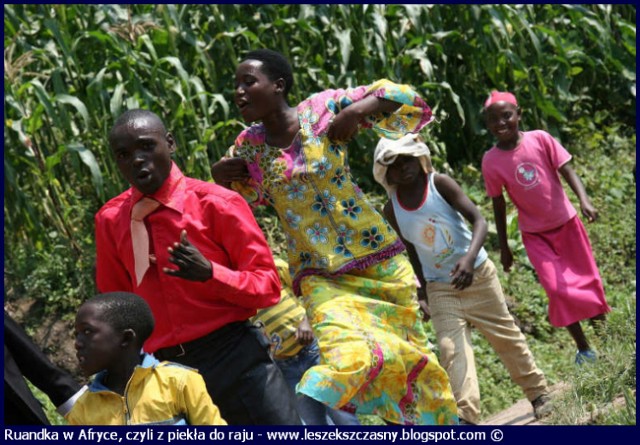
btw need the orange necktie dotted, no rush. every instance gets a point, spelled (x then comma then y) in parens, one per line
(139, 235)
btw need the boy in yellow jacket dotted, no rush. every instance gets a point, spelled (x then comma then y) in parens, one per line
(132, 387)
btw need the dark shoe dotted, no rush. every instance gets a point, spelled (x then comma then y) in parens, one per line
(461, 421)
(542, 406)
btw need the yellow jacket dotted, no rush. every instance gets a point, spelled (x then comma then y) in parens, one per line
(157, 393)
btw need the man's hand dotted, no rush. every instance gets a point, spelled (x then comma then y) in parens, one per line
(192, 265)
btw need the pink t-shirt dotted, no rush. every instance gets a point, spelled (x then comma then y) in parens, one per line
(529, 173)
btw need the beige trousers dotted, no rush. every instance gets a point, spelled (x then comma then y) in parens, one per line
(481, 305)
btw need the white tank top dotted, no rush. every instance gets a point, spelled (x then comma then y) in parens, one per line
(438, 232)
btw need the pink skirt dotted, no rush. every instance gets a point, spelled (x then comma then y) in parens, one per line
(563, 259)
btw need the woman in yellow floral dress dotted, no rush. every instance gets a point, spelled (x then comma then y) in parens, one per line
(344, 257)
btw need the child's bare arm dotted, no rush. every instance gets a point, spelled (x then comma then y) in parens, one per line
(390, 215)
(304, 333)
(462, 273)
(413, 259)
(500, 215)
(569, 175)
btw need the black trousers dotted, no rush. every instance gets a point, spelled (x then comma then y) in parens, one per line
(23, 358)
(242, 378)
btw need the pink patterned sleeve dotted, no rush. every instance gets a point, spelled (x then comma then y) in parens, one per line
(411, 117)
(250, 190)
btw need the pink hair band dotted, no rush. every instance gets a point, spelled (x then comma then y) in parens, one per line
(500, 96)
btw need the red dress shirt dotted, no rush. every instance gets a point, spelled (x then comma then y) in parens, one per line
(220, 224)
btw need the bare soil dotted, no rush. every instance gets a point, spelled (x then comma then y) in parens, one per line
(52, 334)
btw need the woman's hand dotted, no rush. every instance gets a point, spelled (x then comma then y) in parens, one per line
(345, 124)
(228, 170)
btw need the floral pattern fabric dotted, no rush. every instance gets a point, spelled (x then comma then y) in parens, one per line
(374, 353)
(330, 227)
(343, 257)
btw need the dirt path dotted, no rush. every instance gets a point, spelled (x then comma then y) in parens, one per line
(521, 413)
(53, 336)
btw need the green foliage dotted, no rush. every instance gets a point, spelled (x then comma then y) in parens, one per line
(71, 69)
(60, 282)
(49, 408)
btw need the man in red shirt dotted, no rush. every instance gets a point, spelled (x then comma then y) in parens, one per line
(195, 253)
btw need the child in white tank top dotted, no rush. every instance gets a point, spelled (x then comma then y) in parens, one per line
(459, 283)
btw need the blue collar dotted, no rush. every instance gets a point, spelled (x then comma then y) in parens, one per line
(148, 361)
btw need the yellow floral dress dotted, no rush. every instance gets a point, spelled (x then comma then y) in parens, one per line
(344, 260)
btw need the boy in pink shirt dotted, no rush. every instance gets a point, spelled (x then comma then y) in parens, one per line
(526, 165)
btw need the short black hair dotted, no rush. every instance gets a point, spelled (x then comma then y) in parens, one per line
(276, 66)
(124, 310)
(130, 116)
